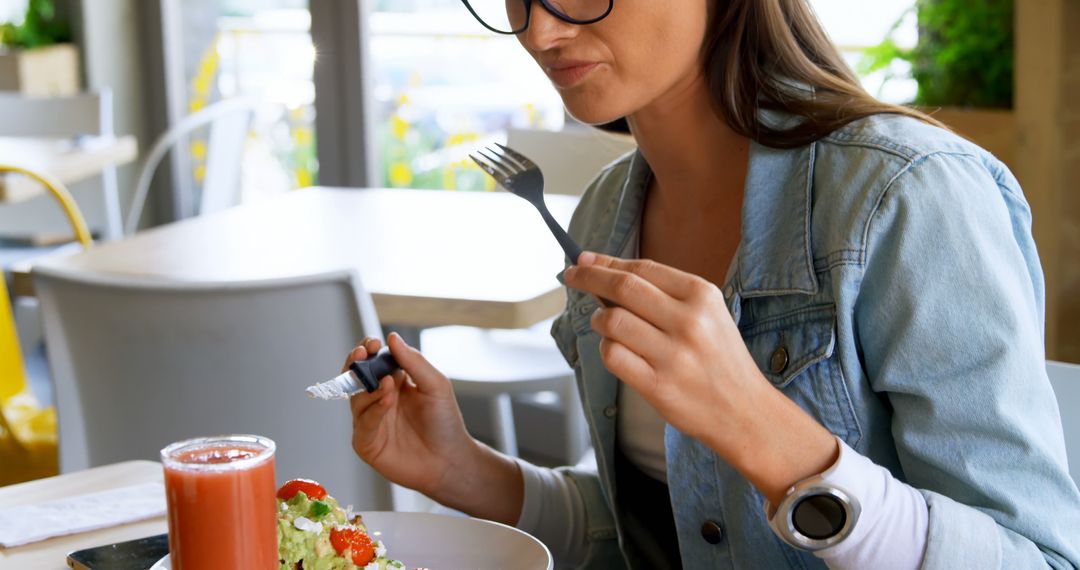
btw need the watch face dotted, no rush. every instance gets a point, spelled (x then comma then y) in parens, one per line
(819, 517)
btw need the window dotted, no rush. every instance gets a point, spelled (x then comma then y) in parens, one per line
(437, 83)
(262, 49)
(265, 51)
(12, 10)
(855, 25)
(442, 85)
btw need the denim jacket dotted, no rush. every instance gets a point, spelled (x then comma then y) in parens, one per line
(893, 263)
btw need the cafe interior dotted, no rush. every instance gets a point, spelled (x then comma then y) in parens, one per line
(206, 204)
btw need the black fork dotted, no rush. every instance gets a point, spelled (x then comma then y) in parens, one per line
(522, 177)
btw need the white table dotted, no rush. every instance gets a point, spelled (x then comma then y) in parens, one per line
(52, 554)
(429, 258)
(60, 158)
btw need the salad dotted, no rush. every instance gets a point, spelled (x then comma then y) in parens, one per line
(315, 533)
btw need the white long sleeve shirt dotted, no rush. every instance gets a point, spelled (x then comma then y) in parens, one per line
(890, 533)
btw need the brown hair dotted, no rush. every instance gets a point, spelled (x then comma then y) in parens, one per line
(774, 55)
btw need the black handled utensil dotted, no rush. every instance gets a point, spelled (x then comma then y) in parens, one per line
(362, 376)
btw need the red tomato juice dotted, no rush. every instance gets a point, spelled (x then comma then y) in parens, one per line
(221, 499)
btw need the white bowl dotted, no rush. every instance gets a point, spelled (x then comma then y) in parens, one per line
(446, 542)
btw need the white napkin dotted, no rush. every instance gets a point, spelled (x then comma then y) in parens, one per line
(31, 523)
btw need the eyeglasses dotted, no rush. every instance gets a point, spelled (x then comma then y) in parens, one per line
(512, 16)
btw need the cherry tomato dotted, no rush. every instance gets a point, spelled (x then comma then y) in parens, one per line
(313, 490)
(363, 551)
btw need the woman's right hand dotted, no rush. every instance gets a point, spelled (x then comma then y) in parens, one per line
(411, 431)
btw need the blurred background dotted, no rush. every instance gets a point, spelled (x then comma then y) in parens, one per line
(157, 111)
(396, 92)
(433, 82)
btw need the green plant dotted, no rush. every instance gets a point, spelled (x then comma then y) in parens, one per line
(964, 55)
(39, 28)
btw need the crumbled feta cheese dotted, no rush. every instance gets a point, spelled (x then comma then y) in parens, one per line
(380, 549)
(284, 506)
(372, 566)
(307, 525)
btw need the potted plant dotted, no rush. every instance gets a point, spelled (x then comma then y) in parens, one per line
(36, 56)
(963, 63)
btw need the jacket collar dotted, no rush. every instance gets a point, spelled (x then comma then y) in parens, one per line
(774, 255)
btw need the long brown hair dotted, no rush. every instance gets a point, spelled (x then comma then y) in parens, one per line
(774, 55)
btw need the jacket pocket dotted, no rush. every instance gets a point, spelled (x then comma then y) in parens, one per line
(796, 353)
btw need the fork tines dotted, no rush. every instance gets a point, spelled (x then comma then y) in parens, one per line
(520, 158)
(501, 165)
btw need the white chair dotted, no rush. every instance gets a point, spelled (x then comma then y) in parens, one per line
(496, 365)
(140, 363)
(569, 158)
(63, 118)
(228, 122)
(1065, 379)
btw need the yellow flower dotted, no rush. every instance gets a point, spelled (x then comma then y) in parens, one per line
(399, 126)
(400, 174)
(198, 149)
(302, 136)
(303, 178)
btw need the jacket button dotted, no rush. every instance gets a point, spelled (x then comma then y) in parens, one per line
(729, 291)
(778, 361)
(711, 532)
(610, 411)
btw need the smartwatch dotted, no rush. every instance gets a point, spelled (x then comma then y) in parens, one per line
(814, 515)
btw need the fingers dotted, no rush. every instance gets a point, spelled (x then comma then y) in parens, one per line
(676, 283)
(628, 366)
(424, 376)
(403, 379)
(409, 358)
(367, 347)
(633, 332)
(628, 290)
(358, 353)
(369, 410)
(362, 402)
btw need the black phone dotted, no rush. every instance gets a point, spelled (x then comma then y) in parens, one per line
(131, 555)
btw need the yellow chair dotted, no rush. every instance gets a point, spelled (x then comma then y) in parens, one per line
(28, 431)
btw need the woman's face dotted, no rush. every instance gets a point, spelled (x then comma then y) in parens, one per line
(620, 65)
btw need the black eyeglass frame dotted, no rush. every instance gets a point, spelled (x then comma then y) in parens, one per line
(547, 6)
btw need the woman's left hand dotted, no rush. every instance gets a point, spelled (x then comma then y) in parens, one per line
(672, 339)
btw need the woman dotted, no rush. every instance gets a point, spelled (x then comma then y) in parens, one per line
(816, 296)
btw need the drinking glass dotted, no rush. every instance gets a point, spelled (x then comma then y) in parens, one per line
(222, 511)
